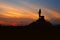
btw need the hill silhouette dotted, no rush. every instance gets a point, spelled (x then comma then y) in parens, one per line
(39, 25)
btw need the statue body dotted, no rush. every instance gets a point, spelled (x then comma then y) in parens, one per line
(39, 13)
(40, 17)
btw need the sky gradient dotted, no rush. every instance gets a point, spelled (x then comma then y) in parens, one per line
(24, 12)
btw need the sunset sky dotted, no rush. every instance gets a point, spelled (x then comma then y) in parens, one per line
(24, 12)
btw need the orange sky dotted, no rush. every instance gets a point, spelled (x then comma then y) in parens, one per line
(11, 12)
(14, 12)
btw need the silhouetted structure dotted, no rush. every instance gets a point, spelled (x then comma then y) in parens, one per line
(39, 13)
(38, 25)
(41, 18)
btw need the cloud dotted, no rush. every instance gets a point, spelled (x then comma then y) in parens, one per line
(12, 12)
(30, 6)
(53, 15)
(18, 15)
(13, 15)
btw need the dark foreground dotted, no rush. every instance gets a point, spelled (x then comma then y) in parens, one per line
(29, 29)
(38, 32)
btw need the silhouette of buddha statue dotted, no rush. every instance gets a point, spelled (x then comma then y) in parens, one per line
(39, 13)
(40, 17)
